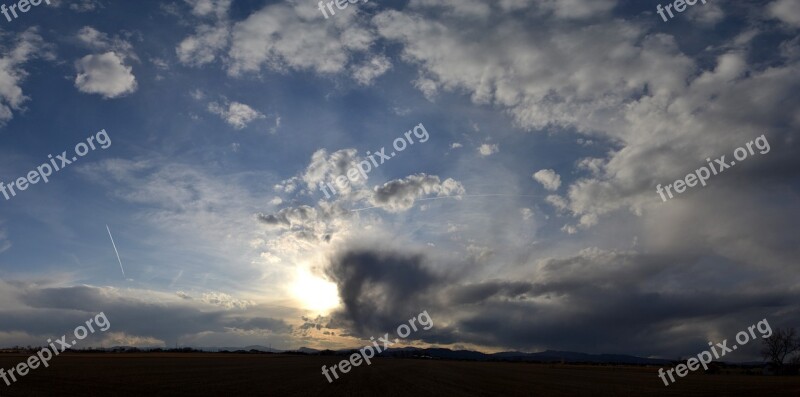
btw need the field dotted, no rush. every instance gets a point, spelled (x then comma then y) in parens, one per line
(282, 375)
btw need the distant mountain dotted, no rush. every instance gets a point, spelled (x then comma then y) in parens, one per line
(246, 348)
(548, 356)
(545, 356)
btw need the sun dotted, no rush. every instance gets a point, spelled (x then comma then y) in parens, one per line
(314, 293)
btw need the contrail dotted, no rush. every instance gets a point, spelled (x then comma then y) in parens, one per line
(455, 196)
(115, 250)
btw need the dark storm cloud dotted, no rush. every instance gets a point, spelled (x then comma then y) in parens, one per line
(597, 301)
(477, 293)
(379, 289)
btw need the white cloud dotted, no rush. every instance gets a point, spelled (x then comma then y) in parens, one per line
(226, 301)
(27, 45)
(659, 106)
(217, 8)
(365, 73)
(488, 149)
(325, 168)
(787, 11)
(291, 36)
(236, 114)
(104, 74)
(578, 9)
(548, 178)
(85, 5)
(558, 202)
(428, 87)
(102, 42)
(399, 195)
(527, 213)
(204, 46)
(709, 14)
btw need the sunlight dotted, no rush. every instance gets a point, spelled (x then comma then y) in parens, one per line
(314, 293)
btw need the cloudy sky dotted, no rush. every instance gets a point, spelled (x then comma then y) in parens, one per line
(528, 219)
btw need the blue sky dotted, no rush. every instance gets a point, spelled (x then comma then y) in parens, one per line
(529, 220)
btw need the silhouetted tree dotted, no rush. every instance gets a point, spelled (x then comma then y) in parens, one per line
(782, 344)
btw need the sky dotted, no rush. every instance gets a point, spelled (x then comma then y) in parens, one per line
(521, 211)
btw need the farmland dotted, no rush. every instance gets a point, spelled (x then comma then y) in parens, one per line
(201, 374)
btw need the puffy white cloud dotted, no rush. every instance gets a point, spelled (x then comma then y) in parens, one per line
(551, 80)
(104, 74)
(325, 168)
(548, 178)
(291, 36)
(226, 301)
(280, 37)
(399, 195)
(487, 149)
(236, 114)
(658, 106)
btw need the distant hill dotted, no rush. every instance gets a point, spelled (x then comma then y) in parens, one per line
(246, 348)
(545, 356)
(548, 356)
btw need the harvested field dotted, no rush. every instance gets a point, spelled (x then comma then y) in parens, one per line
(261, 375)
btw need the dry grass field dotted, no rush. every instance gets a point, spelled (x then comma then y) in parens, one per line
(259, 375)
(281, 375)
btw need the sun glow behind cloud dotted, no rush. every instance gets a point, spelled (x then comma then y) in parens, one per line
(314, 293)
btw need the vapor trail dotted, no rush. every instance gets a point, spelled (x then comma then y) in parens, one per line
(115, 250)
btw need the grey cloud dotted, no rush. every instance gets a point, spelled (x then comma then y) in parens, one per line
(288, 217)
(55, 310)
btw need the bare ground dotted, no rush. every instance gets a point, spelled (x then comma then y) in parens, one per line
(264, 375)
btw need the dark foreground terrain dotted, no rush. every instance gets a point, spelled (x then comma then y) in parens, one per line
(282, 375)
